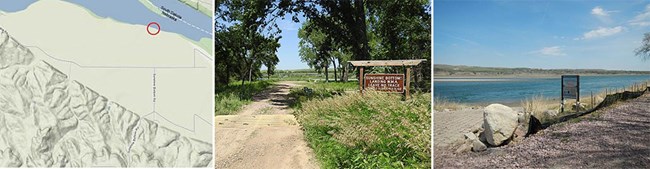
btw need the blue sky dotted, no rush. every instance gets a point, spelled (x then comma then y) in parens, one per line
(288, 51)
(541, 34)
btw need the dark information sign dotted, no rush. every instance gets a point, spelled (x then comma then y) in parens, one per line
(385, 82)
(570, 86)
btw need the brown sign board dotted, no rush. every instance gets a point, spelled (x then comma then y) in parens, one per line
(384, 82)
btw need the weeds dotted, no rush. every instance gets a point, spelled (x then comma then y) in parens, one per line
(374, 130)
(230, 98)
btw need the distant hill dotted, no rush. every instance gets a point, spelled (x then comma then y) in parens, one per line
(443, 70)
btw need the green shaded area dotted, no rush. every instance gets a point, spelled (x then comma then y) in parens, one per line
(374, 130)
(204, 43)
(197, 6)
(230, 98)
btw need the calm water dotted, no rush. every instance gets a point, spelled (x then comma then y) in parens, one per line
(513, 91)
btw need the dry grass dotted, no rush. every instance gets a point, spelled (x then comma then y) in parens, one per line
(538, 105)
(440, 104)
(374, 130)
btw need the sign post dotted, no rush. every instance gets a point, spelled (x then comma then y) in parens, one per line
(394, 83)
(570, 89)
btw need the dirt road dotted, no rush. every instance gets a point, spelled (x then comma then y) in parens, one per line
(264, 134)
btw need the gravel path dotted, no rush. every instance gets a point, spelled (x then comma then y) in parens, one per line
(619, 138)
(263, 135)
(449, 126)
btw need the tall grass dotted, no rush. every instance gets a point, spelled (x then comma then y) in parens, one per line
(373, 130)
(232, 97)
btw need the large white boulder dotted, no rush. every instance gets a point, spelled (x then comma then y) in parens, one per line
(500, 122)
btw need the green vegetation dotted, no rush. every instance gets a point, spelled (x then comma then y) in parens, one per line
(459, 70)
(374, 130)
(230, 98)
(310, 75)
(333, 32)
(197, 6)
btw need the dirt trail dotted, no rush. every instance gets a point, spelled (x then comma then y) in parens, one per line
(263, 135)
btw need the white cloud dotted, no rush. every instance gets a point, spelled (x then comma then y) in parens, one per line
(550, 51)
(601, 32)
(642, 23)
(598, 11)
(642, 19)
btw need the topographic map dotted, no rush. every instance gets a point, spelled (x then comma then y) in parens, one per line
(123, 83)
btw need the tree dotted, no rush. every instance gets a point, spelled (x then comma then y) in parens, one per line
(315, 47)
(246, 37)
(644, 50)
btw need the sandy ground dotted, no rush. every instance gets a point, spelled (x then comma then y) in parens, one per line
(449, 126)
(616, 139)
(263, 135)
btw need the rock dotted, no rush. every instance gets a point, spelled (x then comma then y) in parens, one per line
(521, 117)
(520, 133)
(522, 127)
(499, 122)
(579, 107)
(476, 144)
(465, 147)
(551, 113)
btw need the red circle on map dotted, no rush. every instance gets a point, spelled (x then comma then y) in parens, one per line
(153, 33)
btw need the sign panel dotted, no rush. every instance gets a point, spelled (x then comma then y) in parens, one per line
(570, 86)
(384, 82)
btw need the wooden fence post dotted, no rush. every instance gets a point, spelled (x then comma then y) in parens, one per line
(361, 79)
(408, 82)
(592, 99)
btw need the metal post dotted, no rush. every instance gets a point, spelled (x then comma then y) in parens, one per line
(562, 94)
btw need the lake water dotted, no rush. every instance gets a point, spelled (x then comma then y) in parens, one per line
(514, 90)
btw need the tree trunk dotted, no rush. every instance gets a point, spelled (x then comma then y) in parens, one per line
(359, 13)
(344, 74)
(326, 73)
(334, 63)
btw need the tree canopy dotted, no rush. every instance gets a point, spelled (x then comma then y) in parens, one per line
(334, 32)
(644, 50)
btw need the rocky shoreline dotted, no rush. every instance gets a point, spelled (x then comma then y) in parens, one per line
(611, 137)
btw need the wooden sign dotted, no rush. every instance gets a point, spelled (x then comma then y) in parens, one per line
(384, 82)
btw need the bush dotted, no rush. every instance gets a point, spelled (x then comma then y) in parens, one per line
(230, 98)
(228, 104)
(374, 130)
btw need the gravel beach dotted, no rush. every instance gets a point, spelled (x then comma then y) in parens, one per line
(617, 138)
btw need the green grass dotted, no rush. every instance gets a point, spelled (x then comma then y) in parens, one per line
(374, 130)
(320, 90)
(307, 75)
(339, 86)
(230, 98)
